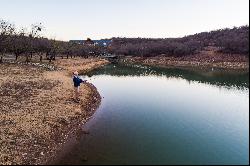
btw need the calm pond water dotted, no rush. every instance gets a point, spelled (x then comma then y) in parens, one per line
(166, 116)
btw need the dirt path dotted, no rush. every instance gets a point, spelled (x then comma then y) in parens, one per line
(37, 110)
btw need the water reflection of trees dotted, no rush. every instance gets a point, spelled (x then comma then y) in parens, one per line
(239, 80)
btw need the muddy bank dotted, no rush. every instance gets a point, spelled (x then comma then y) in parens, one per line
(233, 62)
(37, 110)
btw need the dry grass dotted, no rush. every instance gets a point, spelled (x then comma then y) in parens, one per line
(37, 110)
(79, 64)
(205, 59)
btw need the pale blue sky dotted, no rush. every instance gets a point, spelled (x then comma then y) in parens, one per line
(79, 19)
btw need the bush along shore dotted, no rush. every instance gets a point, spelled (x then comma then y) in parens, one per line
(37, 109)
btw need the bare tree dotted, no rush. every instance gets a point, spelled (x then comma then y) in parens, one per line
(6, 30)
(33, 35)
(19, 43)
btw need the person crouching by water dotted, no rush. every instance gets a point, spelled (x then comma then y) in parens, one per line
(77, 82)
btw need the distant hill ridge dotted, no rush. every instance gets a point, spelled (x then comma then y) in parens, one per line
(229, 41)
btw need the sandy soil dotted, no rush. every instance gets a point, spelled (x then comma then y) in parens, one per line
(37, 110)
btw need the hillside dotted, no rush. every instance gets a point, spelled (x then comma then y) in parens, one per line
(226, 41)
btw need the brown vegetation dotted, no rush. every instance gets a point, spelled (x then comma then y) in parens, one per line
(228, 41)
(207, 58)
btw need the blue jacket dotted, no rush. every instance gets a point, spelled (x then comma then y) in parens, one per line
(77, 81)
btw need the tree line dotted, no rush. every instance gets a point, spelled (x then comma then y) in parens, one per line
(27, 43)
(230, 41)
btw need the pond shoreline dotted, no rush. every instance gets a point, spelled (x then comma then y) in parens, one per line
(74, 131)
(35, 129)
(165, 109)
(193, 62)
